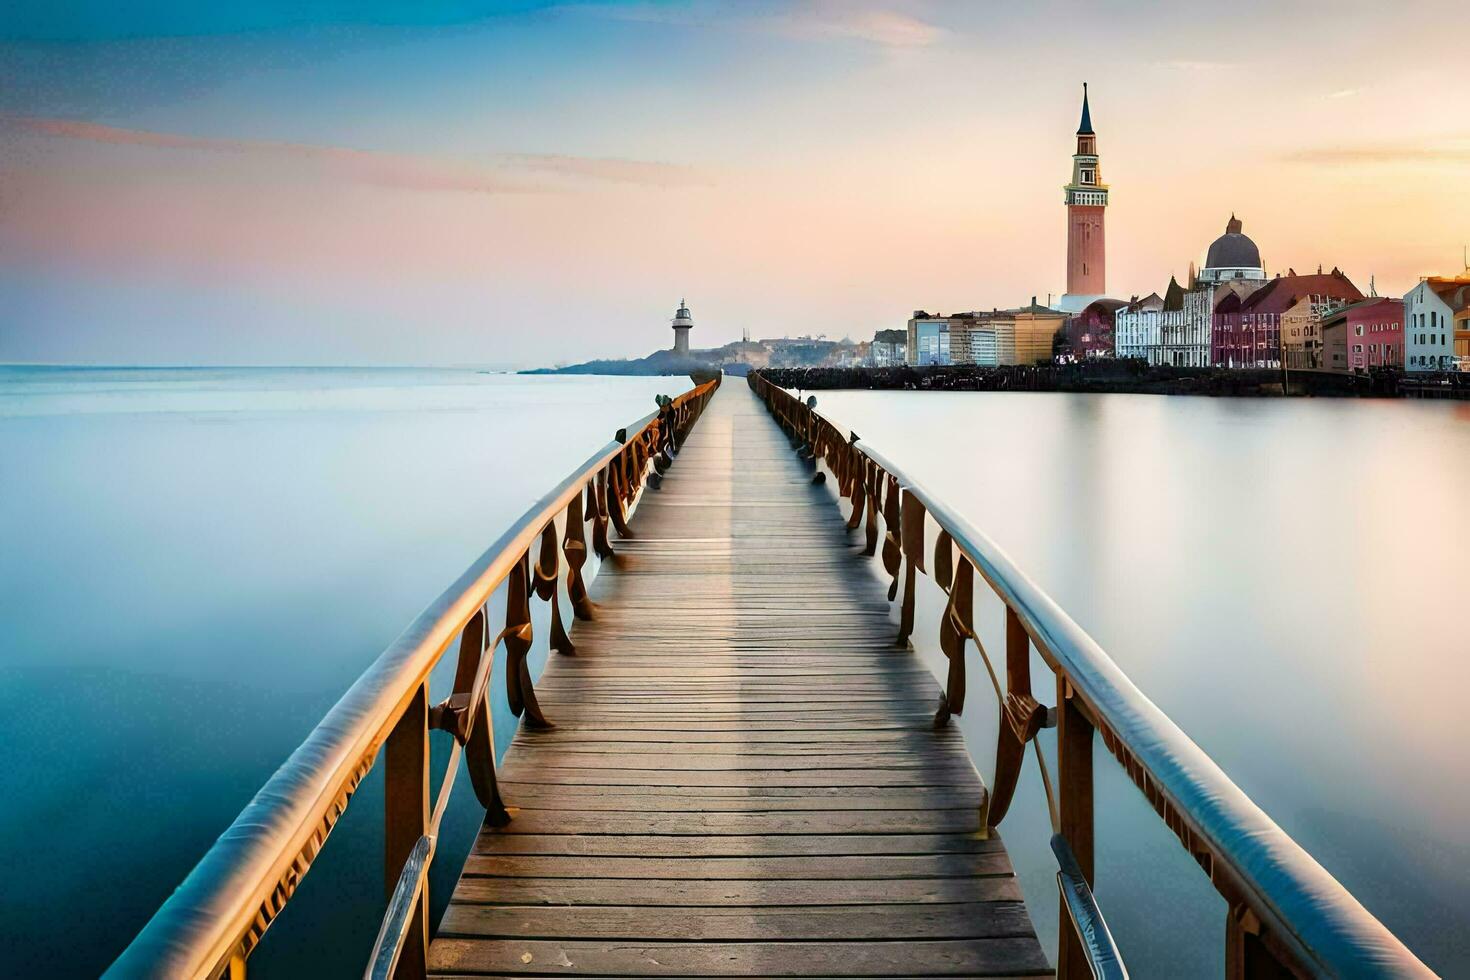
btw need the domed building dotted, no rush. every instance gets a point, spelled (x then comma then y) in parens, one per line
(1231, 256)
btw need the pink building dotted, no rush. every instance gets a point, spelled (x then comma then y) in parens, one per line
(1373, 332)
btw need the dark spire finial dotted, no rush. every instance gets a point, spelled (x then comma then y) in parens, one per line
(1086, 128)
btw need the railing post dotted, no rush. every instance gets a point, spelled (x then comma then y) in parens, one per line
(1074, 791)
(406, 819)
(1246, 955)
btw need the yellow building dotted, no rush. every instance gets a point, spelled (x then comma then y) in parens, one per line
(1025, 335)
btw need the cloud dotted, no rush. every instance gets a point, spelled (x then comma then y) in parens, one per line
(1343, 93)
(609, 169)
(887, 28)
(819, 20)
(508, 173)
(1453, 151)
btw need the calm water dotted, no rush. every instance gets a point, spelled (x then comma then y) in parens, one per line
(194, 565)
(1286, 578)
(197, 563)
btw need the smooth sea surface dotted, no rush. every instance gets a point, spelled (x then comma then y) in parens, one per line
(1288, 579)
(194, 565)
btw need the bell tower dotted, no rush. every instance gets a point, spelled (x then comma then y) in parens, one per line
(1086, 198)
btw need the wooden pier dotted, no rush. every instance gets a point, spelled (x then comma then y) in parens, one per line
(734, 764)
(743, 777)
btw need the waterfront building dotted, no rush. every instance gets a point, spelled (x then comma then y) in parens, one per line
(1429, 317)
(1246, 332)
(889, 348)
(683, 322)
(1231, 256)
(1301, 331)
(1137, 328)
(972, 340)
(1020, 336)
(1089, 334)
(928, 339)
(1184, 325)
(1025, 335)
(1086, 199)
(1371, 333)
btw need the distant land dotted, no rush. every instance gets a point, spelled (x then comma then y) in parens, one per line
(737, 358)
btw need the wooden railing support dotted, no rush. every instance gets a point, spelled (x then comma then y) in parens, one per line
(406, 819)
(1019, 720)
(1074, 790)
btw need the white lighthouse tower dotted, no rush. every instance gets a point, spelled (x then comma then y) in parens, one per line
(682, 322)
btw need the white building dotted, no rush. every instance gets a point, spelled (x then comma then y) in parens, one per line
(1184, 326)
(1429, 322)
(1231, 256)
(1137, 328)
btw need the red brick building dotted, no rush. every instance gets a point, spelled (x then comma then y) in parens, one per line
(1247, 331)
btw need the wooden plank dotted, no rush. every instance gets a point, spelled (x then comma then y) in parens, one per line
(774, 822)
(732, 845)
(623, 891)
(1005, 955)
(761, 868)
(741, 923)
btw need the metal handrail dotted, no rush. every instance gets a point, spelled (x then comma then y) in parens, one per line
(1284, 905)
(213, 920)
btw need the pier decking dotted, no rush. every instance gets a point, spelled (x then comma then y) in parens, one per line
(744, 777)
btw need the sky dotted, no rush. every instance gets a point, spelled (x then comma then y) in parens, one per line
(531, 183)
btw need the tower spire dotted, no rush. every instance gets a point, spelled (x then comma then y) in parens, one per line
(1085, 129)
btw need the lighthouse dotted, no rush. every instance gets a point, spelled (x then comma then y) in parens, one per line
(1086, 198)
(682, 324)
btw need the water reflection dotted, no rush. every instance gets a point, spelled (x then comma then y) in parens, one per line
(1284, 579)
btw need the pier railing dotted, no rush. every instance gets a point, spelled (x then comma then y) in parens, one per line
(1287, 916)
(215, 919)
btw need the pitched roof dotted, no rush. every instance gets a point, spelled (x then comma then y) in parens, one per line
(1454, 290)
(1361, 307)
(1085, 129)
(1284, 292)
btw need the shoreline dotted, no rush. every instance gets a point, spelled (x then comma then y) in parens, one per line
(1128, 377)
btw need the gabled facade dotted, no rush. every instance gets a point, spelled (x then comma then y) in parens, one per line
(1137, 328)
(1184, 326)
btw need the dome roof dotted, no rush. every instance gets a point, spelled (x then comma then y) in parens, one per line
(1233, 250)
